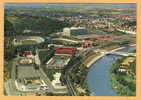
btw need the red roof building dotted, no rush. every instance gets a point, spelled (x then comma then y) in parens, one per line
(61, 50)
(126, 68)
(105, 38)
(88, 44)
(27, 52)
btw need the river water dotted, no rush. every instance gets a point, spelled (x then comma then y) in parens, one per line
(98, 77)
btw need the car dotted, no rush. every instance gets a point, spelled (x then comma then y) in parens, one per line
(44, 87)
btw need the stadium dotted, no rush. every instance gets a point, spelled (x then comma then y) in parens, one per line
(28, 40)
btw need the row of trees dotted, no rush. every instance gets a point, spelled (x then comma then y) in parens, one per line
(78, 76)
(9, 51)
(9, 36)
(77, 73)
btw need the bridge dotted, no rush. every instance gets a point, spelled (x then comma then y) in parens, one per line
(123, 53)
(116, 52)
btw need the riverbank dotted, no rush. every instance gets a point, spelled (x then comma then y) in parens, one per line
(98, 79)
(123, 82)
(77, 78)
(99, 73)
(92, 59)
(126, 31)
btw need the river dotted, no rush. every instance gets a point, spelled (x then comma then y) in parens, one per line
(98, 77)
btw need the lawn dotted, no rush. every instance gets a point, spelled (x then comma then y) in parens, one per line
(45, 55)
(61, 57)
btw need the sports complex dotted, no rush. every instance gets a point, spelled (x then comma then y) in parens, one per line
(28, 40)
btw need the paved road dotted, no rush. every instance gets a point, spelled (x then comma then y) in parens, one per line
(46, 79)
(70, 87)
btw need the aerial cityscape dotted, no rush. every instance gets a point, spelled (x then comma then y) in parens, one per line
(69, 49)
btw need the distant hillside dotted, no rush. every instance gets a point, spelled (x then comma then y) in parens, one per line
(69, 9)
(42, 24)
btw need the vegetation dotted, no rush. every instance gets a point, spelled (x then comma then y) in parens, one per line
(123, 83)
(7, 69)
(53, 94)
(77, 77)
(9, 51)
(43, 25)
(111, 44)
(8, 46)
(77, 73)
(128, 23)
(45, 55)
(115, 32)
(44, 21)
(8, 28)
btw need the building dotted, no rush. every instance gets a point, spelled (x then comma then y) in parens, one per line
(124, 68)
(68, 51)
(107, 38)
(27, 40)
(58, 62)
(26, 53)
(87, 44)
(57, 83)
(26, 61)
(74, 31)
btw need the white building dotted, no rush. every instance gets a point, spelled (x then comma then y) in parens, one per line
(74, 31)
(66, 32)
(56, 81)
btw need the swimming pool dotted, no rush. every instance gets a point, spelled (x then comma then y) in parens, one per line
(58, 62)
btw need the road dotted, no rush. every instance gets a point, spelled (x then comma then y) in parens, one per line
(70, 86)
(46, 79)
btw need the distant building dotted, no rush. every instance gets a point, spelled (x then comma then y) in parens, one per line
(74, 31)
(87, 44)
(26, 40)
(32, 31)
(27, 31)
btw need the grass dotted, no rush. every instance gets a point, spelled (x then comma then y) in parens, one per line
(13, 20)
(61, 56)
(4, 92)
(45, 55)
(8, 68)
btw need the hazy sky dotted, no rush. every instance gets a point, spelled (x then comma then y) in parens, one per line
(95, 5)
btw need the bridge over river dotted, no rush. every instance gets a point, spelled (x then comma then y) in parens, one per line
(116, 52)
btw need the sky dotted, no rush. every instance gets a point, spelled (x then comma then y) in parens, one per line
(69, 5)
